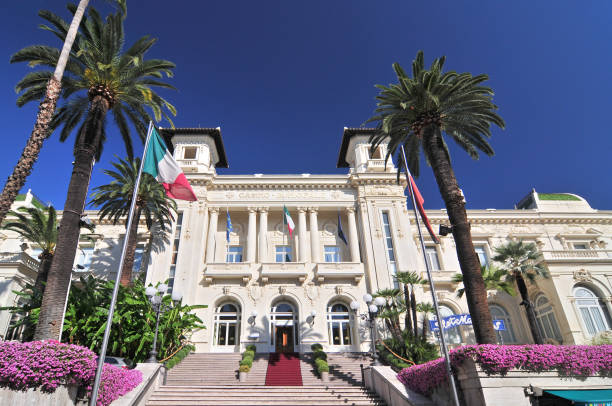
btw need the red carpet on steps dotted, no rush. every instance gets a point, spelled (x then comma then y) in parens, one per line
(284, 370)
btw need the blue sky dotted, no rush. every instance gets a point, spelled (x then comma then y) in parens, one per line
(282, 79)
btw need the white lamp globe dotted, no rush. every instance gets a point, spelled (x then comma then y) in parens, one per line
(156, 299)
(162, 288)
(367, 298)
(313, 313)
(254, 313)
(354, 305)
(150, 291)
(373, 308)
(176, 296)
(380, 301)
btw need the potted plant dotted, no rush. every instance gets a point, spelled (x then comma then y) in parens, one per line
(243, 372)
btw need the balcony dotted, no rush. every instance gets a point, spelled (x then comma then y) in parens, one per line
(339, 270)
(228, 270)
(19, 258)
(191, 165)
(578, 256)
(283, 270)
(378, 165)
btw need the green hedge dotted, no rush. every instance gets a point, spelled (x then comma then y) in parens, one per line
(247, 361)
(179, 356)
(320, 355)
(251, 347)
(316, 347)
(321, 365)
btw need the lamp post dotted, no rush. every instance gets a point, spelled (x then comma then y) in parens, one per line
(155, 297)
(370, 317)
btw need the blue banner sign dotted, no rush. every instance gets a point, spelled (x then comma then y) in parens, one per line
(465, 319)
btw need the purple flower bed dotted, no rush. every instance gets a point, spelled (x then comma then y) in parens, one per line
(574, 360)
(49, 364)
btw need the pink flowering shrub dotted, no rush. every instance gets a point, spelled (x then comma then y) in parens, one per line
(49, 364)
(567, 360)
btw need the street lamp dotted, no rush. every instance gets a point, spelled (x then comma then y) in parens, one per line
(370, 317)
(155, 296)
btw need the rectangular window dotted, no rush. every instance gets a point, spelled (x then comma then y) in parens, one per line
(283, 253)
(85, 254)
(234, 254)
(190, 152)
(389, 242)
(482, 255)
(432, 258)
(332, 253)
(580, 246)
(175, 249)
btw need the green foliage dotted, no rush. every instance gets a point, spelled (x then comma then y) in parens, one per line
(518, 259)
(321, 365)
(494, 279)
(133, 321)
(557, 196)
(179, 356)
(316, 347)
(38, 226)
(244, 368)
(251, 347)
(248, 353)
(320, 354)
(247, 361)
(27, 310)
(416, 349)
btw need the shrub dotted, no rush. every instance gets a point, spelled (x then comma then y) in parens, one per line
(49, 364)
(244, 368)
(567, 360)
(320, 355)
(251, 347)
(316, 347)
(321, 365)
(249, 354)
(179, 356)
(247, 361)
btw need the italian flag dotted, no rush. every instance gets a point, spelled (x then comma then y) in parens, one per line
(289, 220)
(162, 166)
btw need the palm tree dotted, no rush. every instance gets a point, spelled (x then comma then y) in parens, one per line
(391, 310)
(48, 87)
(414, 113)
(520, 261)
(114, 201)
(494, 279)
(409, 279)
(101, 77)
(38, 226)
(426, 309)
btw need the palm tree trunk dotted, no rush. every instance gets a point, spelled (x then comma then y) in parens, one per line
(414, 312)
(425, 325)
(43, 273)
(531, 317)
(475, 290)
(130, 253)
(407, 317)
(68, 236)
(46, 109)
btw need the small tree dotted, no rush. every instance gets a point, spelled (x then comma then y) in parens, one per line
(495, 279)
(409, 280)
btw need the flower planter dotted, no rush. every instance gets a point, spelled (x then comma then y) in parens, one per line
(242, 376)
(325, 376)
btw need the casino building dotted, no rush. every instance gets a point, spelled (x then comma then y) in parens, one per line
(285, 292)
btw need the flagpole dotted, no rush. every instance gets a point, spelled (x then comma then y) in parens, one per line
(431, 285)
(111, 310)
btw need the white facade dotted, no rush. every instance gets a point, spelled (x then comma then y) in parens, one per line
(267, 288)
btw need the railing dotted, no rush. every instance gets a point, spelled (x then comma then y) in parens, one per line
(379, 165)
(25, 259)
(577, 255)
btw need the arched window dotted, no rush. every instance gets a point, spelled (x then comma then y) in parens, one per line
(591, 310)
(452, 335)
(339, 325)
(547, 322)
(503, 336)
(227, 325)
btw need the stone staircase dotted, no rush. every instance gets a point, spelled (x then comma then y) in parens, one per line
(263, 395)
(211, 379)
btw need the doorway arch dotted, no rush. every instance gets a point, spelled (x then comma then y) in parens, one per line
(283, 326)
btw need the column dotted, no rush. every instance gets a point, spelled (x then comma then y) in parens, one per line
(302, 234)
(353, 240)
(212, 230)
(314, 235)
(251, 248)
(263, 231)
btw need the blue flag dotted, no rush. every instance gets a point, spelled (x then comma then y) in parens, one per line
(228, 228)
(340, 232)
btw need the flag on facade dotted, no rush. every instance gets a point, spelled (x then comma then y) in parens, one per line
(228, 227)
(160, 164)
(340, 232)
(419, 202)
(288, 220)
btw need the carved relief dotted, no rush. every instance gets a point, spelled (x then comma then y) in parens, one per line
(338, 290)
(226, 290)
(255, 293)
(282, 290)
(311, 292)
(582, 275)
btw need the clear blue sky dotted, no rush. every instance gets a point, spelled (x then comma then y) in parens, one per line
(282, 79)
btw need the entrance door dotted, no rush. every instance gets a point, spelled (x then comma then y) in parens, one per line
(284, 339)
